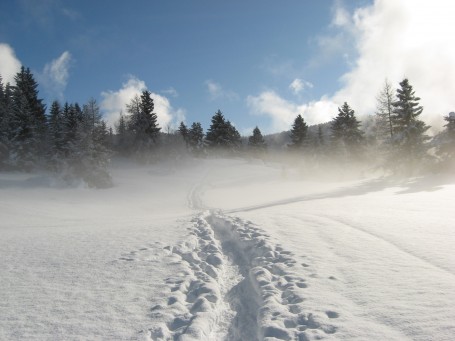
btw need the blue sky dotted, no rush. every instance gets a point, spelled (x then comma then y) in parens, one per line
(260, 62)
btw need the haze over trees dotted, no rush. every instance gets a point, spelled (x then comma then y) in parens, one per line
(75, 142)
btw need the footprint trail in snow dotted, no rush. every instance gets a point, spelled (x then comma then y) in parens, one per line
(238, 286)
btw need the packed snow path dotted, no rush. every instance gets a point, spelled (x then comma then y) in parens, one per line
(238, 286)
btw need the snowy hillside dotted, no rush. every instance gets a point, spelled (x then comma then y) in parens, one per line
(226, 250)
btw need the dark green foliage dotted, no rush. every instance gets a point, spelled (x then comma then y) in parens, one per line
(346, 136)
(121, 140)
(27, 123)
(222, 134)
(195, 137)
(183, 130)
(299, 133)
(409, 138)
(143, 123)
(256, 141)
(5, 123)
(446, 148)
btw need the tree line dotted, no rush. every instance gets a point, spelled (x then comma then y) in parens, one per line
(75, 142)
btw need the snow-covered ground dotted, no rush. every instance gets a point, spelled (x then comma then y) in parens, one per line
(226, 250)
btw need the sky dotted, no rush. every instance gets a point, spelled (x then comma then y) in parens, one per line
(260, 62)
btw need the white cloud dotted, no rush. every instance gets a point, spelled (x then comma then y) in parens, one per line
(114, 102)
(298, 85)
(56, 73)
(216, 91)
(9, 64)
(171, 92)
(392, 39)
(407, 38)
(283, 112)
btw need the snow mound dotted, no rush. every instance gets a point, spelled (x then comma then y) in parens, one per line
(238, 286)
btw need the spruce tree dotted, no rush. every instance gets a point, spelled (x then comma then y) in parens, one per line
(196, 137)
(28, 122)
(216, 134)
(299, 133)
(183, 131)
(56, 131)
(346, 136)
(446, 147)
(256, 141)
(143, 122)
(234, 140)
(410, 140)
(222, 134)
(4, 125)
(151, 128)
(121, 143)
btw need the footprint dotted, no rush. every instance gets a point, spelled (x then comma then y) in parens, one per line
(332, 314)
(301, 285)
(305, 265)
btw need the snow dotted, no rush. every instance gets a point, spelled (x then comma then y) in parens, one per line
(223, 249)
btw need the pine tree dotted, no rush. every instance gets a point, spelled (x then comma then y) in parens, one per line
(183, 131)
(222, 134)
(143, 122)
(256, 141)
(446, 148)
(196, 137)
(151, 128)
(28, 122)
(346, 136)
(409, 140)
(234, 140)
(299, 133)
(216, 134)
(72, 117)
(121, 143)
(56, 130)
(4, 125)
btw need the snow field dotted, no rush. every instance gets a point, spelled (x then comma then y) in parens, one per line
(226, 250)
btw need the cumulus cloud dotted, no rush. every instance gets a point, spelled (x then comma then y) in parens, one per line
(114, 102)
(394, 40)
(9, 64)
(216, 91)
(298, 85)
(283, 112)
(56, 73)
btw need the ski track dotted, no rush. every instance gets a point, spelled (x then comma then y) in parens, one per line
(237, 285)
(395, 244)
